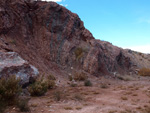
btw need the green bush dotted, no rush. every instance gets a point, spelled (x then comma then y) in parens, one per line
(9, 88)
(39, 87)
(87, 83)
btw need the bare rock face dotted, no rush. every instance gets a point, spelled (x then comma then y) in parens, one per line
(12, 64)
(51, 37)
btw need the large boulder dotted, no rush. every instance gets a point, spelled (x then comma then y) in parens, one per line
(12, 64)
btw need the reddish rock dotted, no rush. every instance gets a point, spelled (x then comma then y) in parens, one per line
(52, 38)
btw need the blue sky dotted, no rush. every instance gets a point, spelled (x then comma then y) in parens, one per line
(124, 23)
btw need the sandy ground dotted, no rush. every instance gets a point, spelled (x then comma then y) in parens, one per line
(107, 95)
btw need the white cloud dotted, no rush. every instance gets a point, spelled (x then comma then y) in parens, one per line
(142, 48)
(53, 0)
(65, 5)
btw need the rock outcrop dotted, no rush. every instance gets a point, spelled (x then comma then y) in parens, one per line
(12, 64)
(51, 37)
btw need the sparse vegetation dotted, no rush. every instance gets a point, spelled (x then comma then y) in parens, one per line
(70, 78)
(68, 108)
(104, 86)
(73, 84)
(51, 77)
(78, 97)
(13, 42)
(57, 95)
(23, 105)
(51, 84)
(9, 89)
(125, 78)
(39, 87)
(144, 72)
(78, 108)
(3, 106)
(87, 83)
(135, 95)
(34, 105)
(80, 76)
(112, 111)
(78, 53)
(124, 98)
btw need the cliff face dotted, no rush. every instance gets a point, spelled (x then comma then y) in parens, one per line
(49, 37)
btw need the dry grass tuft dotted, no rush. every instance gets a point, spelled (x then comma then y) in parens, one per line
(68, 108)
(80, 76)
(124, 98)
(87, 83)
(78, 108)
(144, 72)
(39, 87)
(23, 105)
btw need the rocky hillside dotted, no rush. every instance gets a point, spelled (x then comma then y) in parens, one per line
(52, 38)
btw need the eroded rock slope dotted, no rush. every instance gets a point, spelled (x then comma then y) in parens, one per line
(52, 38)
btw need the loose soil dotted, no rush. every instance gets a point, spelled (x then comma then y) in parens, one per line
(107, 95)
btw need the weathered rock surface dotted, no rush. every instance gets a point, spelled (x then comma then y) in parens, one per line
(12, 64)
(51, 37)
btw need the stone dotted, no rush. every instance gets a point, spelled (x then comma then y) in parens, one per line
(12, 64)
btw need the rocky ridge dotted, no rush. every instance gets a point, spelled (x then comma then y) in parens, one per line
(52, 38)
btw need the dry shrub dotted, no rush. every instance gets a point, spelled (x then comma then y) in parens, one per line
(9, 91)
(70, 78)
(23, 105)
(144, 72)
(78, 97)
(124, 98)
(87, 83)
(78, 108)
(51, 81)
(73, 84)
(3, 106)
(68, 108)
(58, 95)
(125, 78)
(80, 76)
(51, 84)
(78, 52)
(39, 87)
(9, 88)
(51, 77)
(104, 85)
